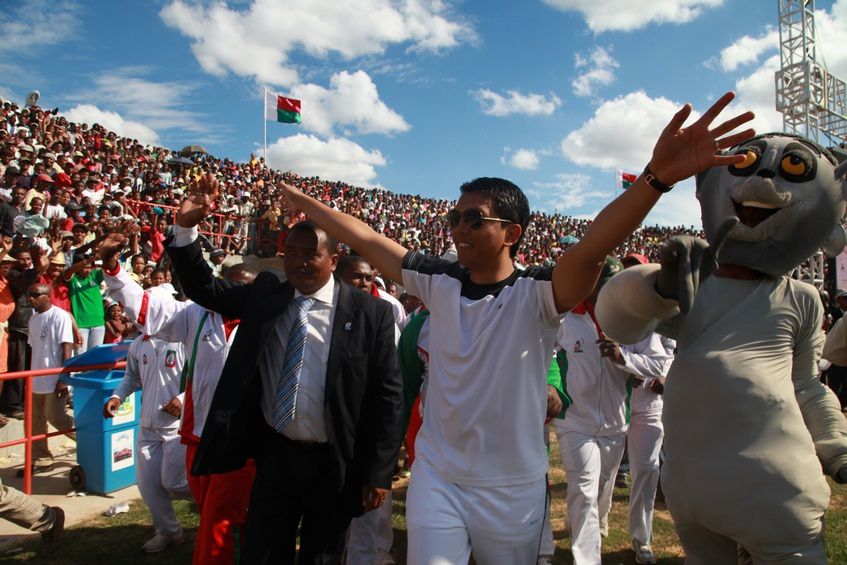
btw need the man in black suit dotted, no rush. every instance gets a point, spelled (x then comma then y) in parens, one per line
(310, 389)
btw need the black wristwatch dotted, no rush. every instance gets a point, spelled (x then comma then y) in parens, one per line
(651, 179)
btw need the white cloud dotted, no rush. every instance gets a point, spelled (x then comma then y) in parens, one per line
(599, 71)
(621, 134)
(37, 23)
(526, 159)
(679, 207)
(259, 41)
(334, 159)
(757, 92)
(515, 102)
(747, 49)
(352, 101)
(831, 37)
(112, 121)
(568, 191)
(158, 105)
(626, 15)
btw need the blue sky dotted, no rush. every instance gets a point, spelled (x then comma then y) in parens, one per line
(416, 96)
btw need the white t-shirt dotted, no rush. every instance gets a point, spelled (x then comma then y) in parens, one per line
(489, 352)
(47, 332)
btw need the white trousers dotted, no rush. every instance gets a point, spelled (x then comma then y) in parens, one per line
(591, 464)
(160, 472)
(446, 522)
(644, 443)
(370, 537)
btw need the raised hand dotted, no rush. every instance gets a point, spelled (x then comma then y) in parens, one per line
(682, 152)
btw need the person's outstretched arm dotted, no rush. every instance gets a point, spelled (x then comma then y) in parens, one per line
(679, 153)
(380, 251)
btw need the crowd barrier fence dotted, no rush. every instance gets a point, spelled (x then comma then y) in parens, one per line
(28, 437)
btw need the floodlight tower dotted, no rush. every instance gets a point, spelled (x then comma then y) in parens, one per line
(812, 101)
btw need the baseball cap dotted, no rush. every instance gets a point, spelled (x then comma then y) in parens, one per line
(611, 267)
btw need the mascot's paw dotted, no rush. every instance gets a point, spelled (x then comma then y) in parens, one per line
(841, 476)
(686, 261)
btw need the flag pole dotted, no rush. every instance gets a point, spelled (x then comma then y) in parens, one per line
(265, 124)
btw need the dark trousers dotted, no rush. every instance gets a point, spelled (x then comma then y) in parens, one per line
(836, 378)
(294, 484)
(12, 397)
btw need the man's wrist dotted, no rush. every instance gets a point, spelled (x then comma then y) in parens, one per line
(651, 179)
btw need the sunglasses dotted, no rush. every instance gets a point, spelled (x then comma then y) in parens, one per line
(36, 294)
(472, 217)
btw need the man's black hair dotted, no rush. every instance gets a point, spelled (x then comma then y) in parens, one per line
(507, 200)
(309, 225)
(349, 261)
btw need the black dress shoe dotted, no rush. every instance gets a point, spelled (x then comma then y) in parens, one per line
(16, 414)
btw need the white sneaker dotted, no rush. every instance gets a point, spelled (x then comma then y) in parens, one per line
(161, 542)
(604, 526)
(643, 553)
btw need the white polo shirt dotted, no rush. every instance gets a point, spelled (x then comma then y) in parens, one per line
(489, 352)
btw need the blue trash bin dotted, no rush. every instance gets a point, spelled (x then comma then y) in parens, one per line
(105, 454)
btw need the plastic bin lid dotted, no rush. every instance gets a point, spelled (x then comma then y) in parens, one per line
(106, 353)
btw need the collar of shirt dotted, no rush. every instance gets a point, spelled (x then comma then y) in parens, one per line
(323, 294)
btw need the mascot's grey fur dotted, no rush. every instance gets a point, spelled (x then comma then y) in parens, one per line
(749, 426)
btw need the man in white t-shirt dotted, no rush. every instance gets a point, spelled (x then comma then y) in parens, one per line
(51, 338)
(478, 482)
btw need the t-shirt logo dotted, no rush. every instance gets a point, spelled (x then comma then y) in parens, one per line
(170, 359)
(44, 331)
(144, 359)
(577, 346)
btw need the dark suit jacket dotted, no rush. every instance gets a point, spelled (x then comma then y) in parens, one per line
(363, 398)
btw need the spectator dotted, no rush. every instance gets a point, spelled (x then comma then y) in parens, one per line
(84, 281)
(51, 339)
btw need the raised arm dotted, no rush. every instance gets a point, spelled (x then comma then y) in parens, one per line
(679, 153)
(193, 272)
(380, 251)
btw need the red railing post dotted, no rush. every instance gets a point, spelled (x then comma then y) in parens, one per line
(28, 435)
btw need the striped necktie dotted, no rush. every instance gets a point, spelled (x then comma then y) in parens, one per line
(285, 400)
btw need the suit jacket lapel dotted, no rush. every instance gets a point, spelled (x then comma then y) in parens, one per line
(343, 328)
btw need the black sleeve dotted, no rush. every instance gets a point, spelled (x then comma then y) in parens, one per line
(385, 403)
(201, 286)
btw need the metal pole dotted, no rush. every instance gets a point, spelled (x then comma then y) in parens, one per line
(265, 124)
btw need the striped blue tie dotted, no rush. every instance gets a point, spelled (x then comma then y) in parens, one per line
(285, 400)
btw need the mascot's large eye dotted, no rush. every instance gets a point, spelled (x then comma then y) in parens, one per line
(793, 165)
(745, 167)
(797, 165)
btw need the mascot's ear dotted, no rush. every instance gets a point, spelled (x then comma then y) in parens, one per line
(835, 242)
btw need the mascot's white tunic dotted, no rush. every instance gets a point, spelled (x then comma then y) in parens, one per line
(748, 423)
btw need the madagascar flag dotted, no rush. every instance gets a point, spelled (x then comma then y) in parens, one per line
(627, 179)
(281, 109)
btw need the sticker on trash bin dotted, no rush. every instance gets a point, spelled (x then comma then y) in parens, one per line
(122, 450)
(126, 411)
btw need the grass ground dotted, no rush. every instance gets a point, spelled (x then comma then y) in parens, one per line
(119, 539)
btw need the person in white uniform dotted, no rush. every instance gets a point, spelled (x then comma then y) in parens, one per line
(478, 482)
(592, 435)
(155, 366)
(648, 361)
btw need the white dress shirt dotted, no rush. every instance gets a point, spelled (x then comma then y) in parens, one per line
(308, 423)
